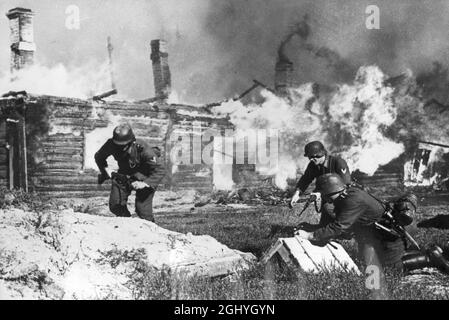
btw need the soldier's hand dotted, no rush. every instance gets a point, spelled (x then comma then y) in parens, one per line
(295, 198)
(102, 177)
(317, 195)
(304, 234)
(137, 185)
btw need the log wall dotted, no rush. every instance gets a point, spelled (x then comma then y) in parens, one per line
(60, 132)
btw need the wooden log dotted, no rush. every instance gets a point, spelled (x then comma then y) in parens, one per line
(61, 139)
(58, 165)
(70, 122)
(380, 180)
(66, 187)
(54, 172)
(75, 194)
(67, 179)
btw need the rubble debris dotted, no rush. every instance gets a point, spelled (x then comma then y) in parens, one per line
(252, 196)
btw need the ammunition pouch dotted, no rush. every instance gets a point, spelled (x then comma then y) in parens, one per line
(404, 208)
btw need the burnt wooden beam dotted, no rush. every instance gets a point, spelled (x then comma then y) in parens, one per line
(434, 144)
(104, 95)
(264, 86)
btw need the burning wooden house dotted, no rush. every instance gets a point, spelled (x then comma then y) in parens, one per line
(48, 142)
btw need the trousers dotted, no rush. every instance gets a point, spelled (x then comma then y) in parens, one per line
(379, 254)
(118, 201)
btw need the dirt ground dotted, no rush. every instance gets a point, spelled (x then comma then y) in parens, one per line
(253, 229)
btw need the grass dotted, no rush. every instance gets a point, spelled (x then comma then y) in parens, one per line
(257, 283)
(252, 231)
(27, 201)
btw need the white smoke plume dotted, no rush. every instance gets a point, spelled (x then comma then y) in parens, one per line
(349, 120)
(76, 82)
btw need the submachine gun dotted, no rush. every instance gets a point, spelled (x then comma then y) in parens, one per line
(307, 199)
(122, 179)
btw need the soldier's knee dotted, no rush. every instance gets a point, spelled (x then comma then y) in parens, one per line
(149, 218)
(119, 210)
(145, 213)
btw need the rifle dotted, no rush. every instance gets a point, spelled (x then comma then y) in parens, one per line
(393, 227)
(310, 197)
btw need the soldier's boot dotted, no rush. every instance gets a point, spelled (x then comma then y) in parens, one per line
(433, 257)
(436, 257)
(417, 260)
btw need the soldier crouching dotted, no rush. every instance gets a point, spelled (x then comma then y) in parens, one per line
(359, 213)
(138, 169)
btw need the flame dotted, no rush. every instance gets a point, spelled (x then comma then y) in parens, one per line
(349, 120)
(76, 82)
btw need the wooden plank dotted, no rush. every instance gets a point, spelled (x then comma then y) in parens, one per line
(311, 258)
(342, 257)
(302, 259)
(271, 251)
(321, 258)
(285, 255)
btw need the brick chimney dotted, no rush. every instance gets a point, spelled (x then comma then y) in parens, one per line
(21, 37)
(283, 76)
(161, 71)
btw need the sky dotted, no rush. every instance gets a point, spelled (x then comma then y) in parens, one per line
(217, 47)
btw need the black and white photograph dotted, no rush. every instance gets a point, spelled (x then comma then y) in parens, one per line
(224, 155)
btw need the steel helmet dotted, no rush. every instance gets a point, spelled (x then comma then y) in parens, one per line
(329, 183)
(314, 149)
(123, 134)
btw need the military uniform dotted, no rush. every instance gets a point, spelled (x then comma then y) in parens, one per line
(140, 163)
(332, 164)
(356, 212)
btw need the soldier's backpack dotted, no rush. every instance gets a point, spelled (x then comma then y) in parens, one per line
(404, 208)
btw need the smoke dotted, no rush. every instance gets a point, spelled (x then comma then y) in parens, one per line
(217, 47)
(302, 29)
(83, 82)
(350, 120)
(411, 36)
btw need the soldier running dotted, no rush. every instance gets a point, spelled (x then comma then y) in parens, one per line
(138, 169)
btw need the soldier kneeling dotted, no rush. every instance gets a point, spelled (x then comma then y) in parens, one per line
(138, 169)
(359, 213)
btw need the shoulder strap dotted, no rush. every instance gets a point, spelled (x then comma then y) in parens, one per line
(383, 203)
